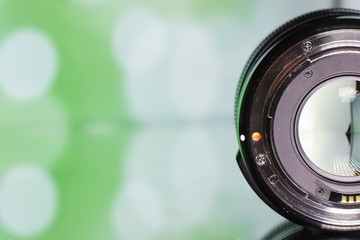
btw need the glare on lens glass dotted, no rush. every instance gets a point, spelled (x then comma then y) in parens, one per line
(328, 127)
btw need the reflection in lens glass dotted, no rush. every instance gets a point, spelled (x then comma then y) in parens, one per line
(328, 127)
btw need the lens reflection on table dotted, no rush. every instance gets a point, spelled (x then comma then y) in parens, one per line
(291, 231)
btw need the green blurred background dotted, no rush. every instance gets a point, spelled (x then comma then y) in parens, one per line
(116, 118)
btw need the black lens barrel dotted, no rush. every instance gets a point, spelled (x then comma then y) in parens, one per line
(280, 76)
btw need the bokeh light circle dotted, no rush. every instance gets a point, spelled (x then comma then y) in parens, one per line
(28, 200)
(28, 64)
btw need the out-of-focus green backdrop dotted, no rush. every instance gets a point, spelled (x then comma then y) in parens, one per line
(116, 118)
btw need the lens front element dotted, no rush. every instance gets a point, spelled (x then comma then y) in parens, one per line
(328, 127)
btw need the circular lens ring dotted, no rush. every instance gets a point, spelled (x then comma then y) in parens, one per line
(256, 109)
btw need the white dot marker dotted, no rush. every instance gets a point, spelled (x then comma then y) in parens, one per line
(242, 137)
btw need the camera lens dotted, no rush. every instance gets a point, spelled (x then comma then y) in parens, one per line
(298, 120)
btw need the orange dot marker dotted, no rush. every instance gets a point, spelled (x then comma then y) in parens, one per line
(256, 136)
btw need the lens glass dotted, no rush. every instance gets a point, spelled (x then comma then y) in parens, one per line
(329, 126)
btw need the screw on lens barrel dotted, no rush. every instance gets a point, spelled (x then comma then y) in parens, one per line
(260, 159)
(319, 191)
(308, 73)
(307, 46)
